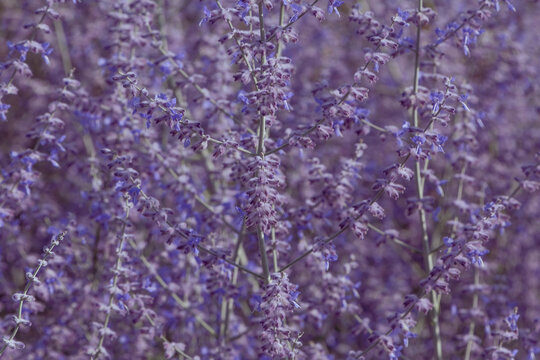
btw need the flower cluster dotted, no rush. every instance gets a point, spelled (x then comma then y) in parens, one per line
(269, 179)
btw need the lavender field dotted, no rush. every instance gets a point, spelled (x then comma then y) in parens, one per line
(270, 179)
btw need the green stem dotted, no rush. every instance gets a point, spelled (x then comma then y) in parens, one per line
(184, 305)
(262, 121)
(397, 241)
(241, 48)
(281, 19)
(201, 247)
(274, 250)
(428, 257)
(308, 9)
(164, 339)
(167, 111)
(62, 45)
(227, 305)
(117, 266)
(260, 152)
(468, 350)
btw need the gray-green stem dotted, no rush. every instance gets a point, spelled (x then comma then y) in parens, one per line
(117, 266)
(468, 350)
(428, 257)
(184, 305)
(260, 152)
(227, 304)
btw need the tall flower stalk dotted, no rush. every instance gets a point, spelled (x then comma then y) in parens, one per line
(426, 244)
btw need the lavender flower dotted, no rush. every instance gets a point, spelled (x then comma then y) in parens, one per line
(292, 179)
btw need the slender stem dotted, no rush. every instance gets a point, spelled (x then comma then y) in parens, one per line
(244, 269)
(274, 250)
(203, 248)
(346, 227)
(176, 298)
(301, 15)
(164, 49)
(428, 257)
(31, 280)
(397, 241)
(204, 92)
(281, 19)
(308, 252)
(361, 321)
(278, 55)
(262, 31)
(95, 256)
(260, 152)
(229, 302)
(116, 271)
(262, 131)
(62, 44)
(238, 336)
(454, 31)
(168, 111)
(200, 200)
(314, 127)
(69, 71)
(459, 196)
(262, 121)
(164, 339)
(240, 47)
(468, 350)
